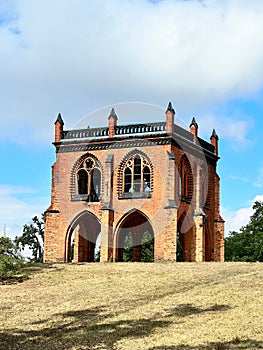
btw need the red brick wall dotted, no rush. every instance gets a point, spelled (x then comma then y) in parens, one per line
(158, 209)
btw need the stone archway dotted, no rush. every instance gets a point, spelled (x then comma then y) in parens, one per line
(83, 233)
(134, 240)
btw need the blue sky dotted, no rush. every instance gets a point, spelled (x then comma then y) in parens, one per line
(76, 57)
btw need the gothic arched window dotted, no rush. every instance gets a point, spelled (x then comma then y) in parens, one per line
(135, 176)
(89, 180)
(186, 180)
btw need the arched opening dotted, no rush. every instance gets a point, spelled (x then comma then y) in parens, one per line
(135, 239)
(186, 180)
(83, 239)
(185, 239)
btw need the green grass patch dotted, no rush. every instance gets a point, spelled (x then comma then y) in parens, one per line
(134, 306)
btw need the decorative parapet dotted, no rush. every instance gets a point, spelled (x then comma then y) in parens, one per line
(119, 130)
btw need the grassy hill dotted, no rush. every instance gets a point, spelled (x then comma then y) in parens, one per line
(134, 306)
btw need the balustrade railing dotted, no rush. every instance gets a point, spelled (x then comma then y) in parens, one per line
(132, 129)
(119, 130)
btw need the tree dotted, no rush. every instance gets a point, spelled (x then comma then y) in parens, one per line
(33, 238)
(247, 244)
(146, 248)
(147, 252)
(7, 247)
(10, 259)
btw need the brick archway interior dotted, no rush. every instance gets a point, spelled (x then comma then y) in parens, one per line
(185, 236)
(83, 235)
(138, 227)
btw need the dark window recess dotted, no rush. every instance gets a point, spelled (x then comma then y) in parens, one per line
(82, 182)
(89, 181)
(136, 178)
(127, 180)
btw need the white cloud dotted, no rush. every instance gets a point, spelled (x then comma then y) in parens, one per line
(76, 56)
(17, 207)
(239, 178)
(234, 220)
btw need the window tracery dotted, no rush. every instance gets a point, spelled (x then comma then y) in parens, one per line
(88, 183)
(135, 176)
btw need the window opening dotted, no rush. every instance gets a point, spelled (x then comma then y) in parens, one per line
(136, 176)
(89, 180)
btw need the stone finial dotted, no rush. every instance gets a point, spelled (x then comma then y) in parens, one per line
(194, 127)
(59, 119)
(193, 123)
(214, 134)
(214, 141)
(113, 114)
(170, 112)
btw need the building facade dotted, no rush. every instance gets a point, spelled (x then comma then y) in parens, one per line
(122, 186)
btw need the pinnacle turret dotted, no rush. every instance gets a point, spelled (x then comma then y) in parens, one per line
(170, 108)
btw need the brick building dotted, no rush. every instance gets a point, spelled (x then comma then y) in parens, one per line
(150, 180)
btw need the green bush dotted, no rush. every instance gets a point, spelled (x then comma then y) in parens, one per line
(9, 265)
(10, 259)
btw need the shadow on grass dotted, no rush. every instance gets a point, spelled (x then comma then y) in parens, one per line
(185, 310)
(88, 329)
(14, 279)
(34, 268)
(235, 344)
(28, 270)
(95, 328)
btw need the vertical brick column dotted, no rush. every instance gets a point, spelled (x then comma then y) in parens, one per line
(171, 211)
(170, 234)
(199, 236)
(76, 257)
(106, 250)
(219, 250)
(219, 224)
(198, 218)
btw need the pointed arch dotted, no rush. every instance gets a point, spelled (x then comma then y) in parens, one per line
(186, 179)
(84, 230)
(185, 237)
(134, 238)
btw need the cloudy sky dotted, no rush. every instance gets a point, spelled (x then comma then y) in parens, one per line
(78, 56)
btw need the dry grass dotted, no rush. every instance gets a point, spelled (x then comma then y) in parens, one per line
(134, 306)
